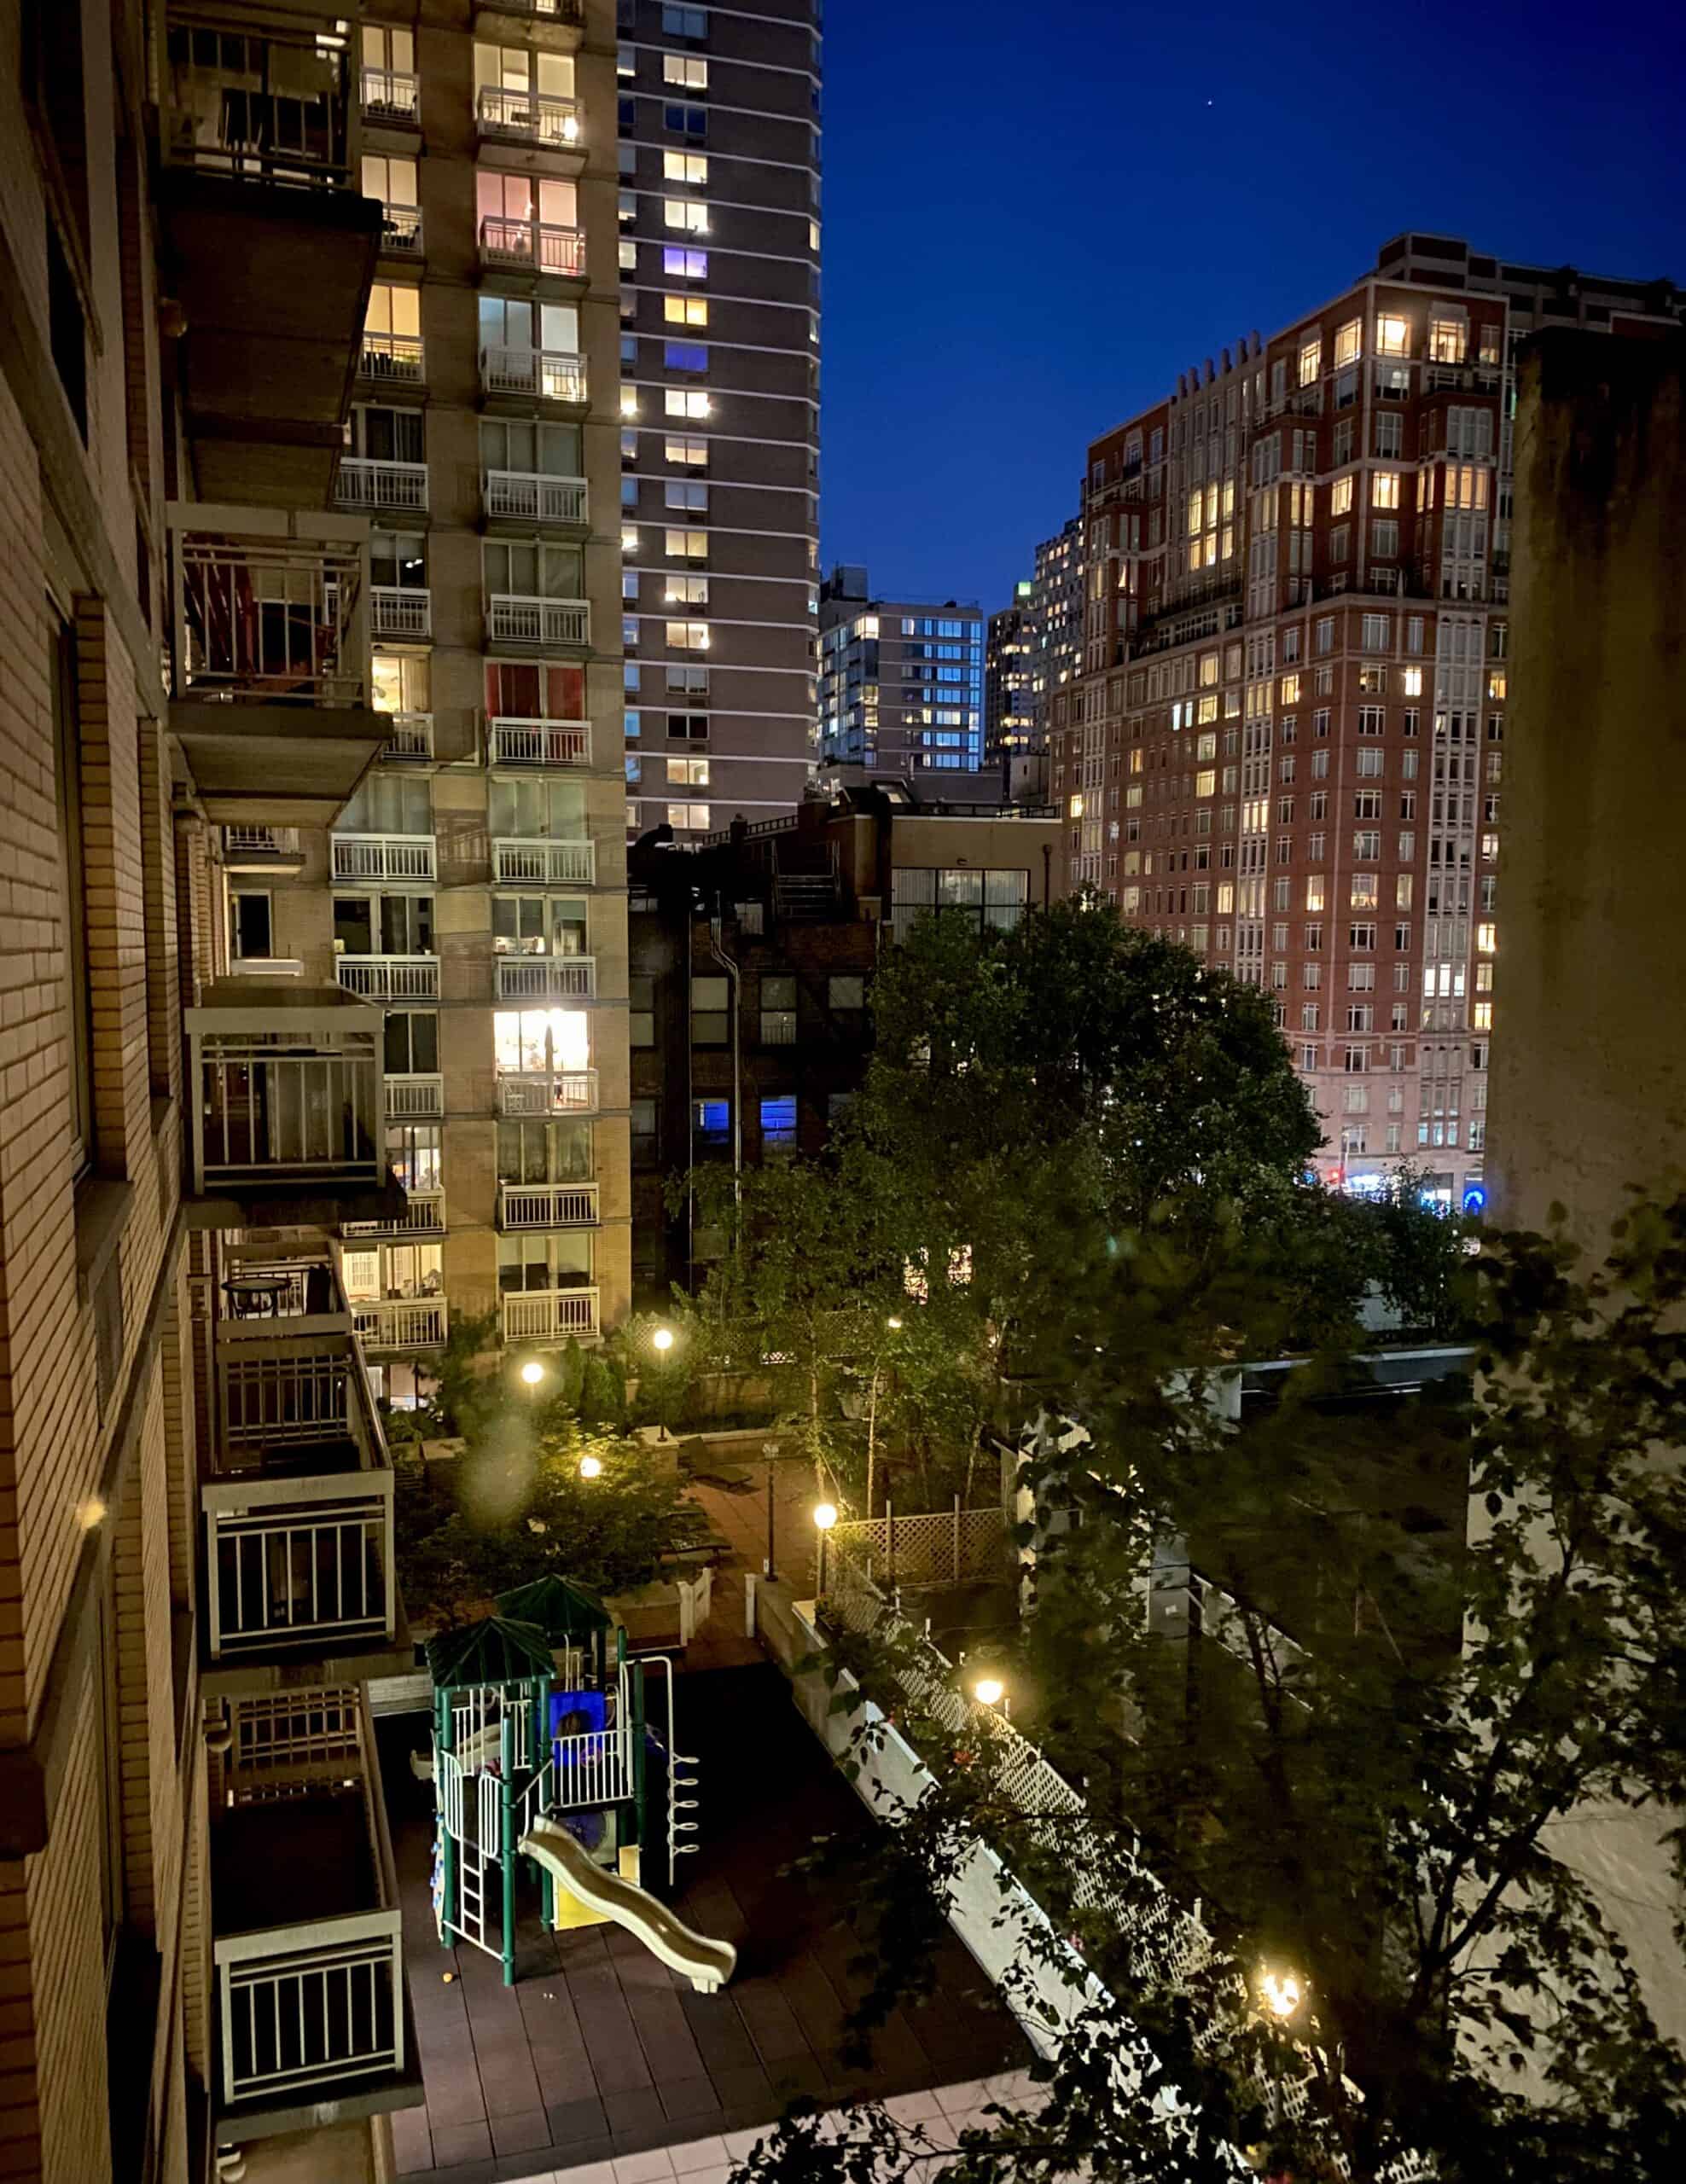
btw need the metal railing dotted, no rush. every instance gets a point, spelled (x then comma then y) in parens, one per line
(367, 482)
(423, 1215)
(294, 1733)
(559, 1092)
(415, 1094)
(300, 1102)
(537, 247)
(540, 742)
(401, 1323)
(546, 978)
(311, 2005)
(384, 856)
(548, 375)
(529, 497)
(275, 621)
(391, 95)
(390, 977)
(547, 1205)
(531, 117)
(543, 11)
(412, 737)
(401, 233)
(550, 1314)
(400, 611)
(516, 863)
(261, 107)
(397, 356)
(259, 841)
(298, 1561)
(521, 619)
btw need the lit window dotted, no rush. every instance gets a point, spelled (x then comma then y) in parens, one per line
(684, 401)
(1486, 939)
(1393, 334)
(689, 545)
(629, 539)
(693, 453)
(689, 167)
(688, 637)
(684, 356)
(689, 213)
(1290, 690)
(1446, 337)
(685, 310)
(1206, 781)
(680, 265)
(1349, 340)
(684, 71)
(1311, 360)
(1314, 892)
(1385, 489)
(691, 815)
(1413, 681)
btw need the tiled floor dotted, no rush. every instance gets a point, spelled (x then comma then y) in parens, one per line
(599, 2052)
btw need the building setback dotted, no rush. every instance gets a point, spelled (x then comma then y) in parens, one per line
(751, 960)
(720, 257)
(901, 681)
(1285, 747)
(1056, 620)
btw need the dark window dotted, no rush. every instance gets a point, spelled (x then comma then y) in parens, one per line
(250, 933)
(68, 782)
(412, 1043)
(66, 331)
(645, 1149)
(693, 727)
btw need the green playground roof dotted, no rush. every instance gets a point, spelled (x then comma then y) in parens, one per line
(497, 1649)
(560, 1608)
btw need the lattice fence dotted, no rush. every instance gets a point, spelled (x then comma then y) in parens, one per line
(947, 1547)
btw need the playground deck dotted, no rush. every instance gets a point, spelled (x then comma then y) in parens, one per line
(599, 2050)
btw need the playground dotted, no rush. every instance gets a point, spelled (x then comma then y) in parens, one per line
(604, 1953)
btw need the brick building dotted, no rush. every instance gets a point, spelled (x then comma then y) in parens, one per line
(1286, 744)
(752, 962)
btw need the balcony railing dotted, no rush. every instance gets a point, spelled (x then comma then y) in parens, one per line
(257, 848)
(528, 117)
(384, 856)
(540, 742)
(275, 619)
(401, 232)
(397, 357)
(546, 978)
(415, 1095)
(400, 611)
(547, 1205)
(546, 374)
(412, 737)
(534, 246)
(390, 95)
(550, 1314)
(401, 1323)
(423, 1215)
(390, 977)
(366, 482)
(530, 862)
(520, 618)
(259, 106)
(310, 1985)
(525, 497)
(541, 11)
(288, 1085)
(553, 1092)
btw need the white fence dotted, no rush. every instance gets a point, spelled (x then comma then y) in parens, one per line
(401, 1323)
(389, 978)
(550, 1314)
(562, 1092)
(290, 1561)
(384, 856)
(546, 978)
(522, 861)
(541, 743)
(948, 1547)
(547, 1205)
(266, 1109)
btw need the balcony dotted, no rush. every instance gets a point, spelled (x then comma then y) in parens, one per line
(525, 497)
(414, 1096)
(369, 859)
(366, 482)
(400, 611)
(401, 235)
(540, 742)
(546, 978)
(520, 619)
(547, 1315)
(422, 1215)
(566, 15)
(392, 99)
(401, 1323)
(393, 359)
(533, 247)
(269, 660)
(307, 1946)
(389, 978)
(271, 247)
(533, 863)
(553, 1092)
(508, 115)
(547, 1205)
(262, 849)
(534, 374)
(412, 737)
(289, 1088)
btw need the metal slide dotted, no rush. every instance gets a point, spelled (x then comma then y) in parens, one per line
(707, 1964)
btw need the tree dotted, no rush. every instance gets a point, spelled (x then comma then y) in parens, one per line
(1355, 1793)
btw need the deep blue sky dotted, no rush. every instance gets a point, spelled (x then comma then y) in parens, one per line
(1036, 215)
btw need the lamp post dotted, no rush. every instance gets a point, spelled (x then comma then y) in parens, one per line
(591, 1467)
(662, 1340)
(825, 1516)
(1280, 1994)
(770, 1450)
(991, 1690)
(533, 1373)
(893, 1324)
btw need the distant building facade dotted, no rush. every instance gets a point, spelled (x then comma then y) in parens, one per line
(1010, 722)
(900, 682)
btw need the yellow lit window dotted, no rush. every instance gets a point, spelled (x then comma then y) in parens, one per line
(1446, 340)
(1314, 892)
(1413, 681)
(684, 72)
(866, 626)
(688, 545)
(1393, 334)
(1486, 939)
(629, 539)
(1340, 496)
(1208, 670)
(1228, 498)
(1133, 796)
(1228, 542)
(1211, 504)
(1482, 1015)
(685, 402)
(1194, 553)
(1206, 781)
(1212, 550)
(1349, 340)
(1385, 490)
(1207, 747)
(695, 453)
(1136, 761)
(629, 402)
(1311, 360)
(1195, 510)
(685, 166)
(1290, 690)
(1497, 682)
(687, 214)
(1484, 978)
(688, 637)
(1208, 710)
(685, 310)
(1226, 898)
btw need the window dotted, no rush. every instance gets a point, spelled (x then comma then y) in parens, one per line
(686, 402)
(845, 989)
(712, 1122)
(1385, 489)
(688, 637)
(694, 453)
(678, 264)
(690, 168)
(250, 930)
(643, 1120)
(641, 1006)
(1447, 338)
(412, 1043)
(1311, 360)
(1393, 334)
(692, 818)
(687, 545)
(688, 214)
(67, 781)
(1378, 632)
(1339, 502)
(687, 773)
(711, 1025)
(685, 357)
(778, 1120)
(1349, 340)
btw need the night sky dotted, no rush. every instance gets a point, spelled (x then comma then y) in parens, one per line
(1037, 215)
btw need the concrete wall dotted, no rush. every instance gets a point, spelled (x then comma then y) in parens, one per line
(1589, 1057)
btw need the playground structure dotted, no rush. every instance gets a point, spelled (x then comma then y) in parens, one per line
(540, 1754)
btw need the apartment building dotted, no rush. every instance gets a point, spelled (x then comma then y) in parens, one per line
(752, 955)
(901, 681)
(1009, 645)
(1286, 744)
(719, 255)
(202, 1956)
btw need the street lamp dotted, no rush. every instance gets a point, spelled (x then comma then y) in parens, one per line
(591, 1467)
(1280, 1994)
(825, 1516)
(532, 1372)
(989, 1691)
(663, 1339)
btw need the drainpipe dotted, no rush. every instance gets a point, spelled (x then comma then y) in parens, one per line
(731, 971)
